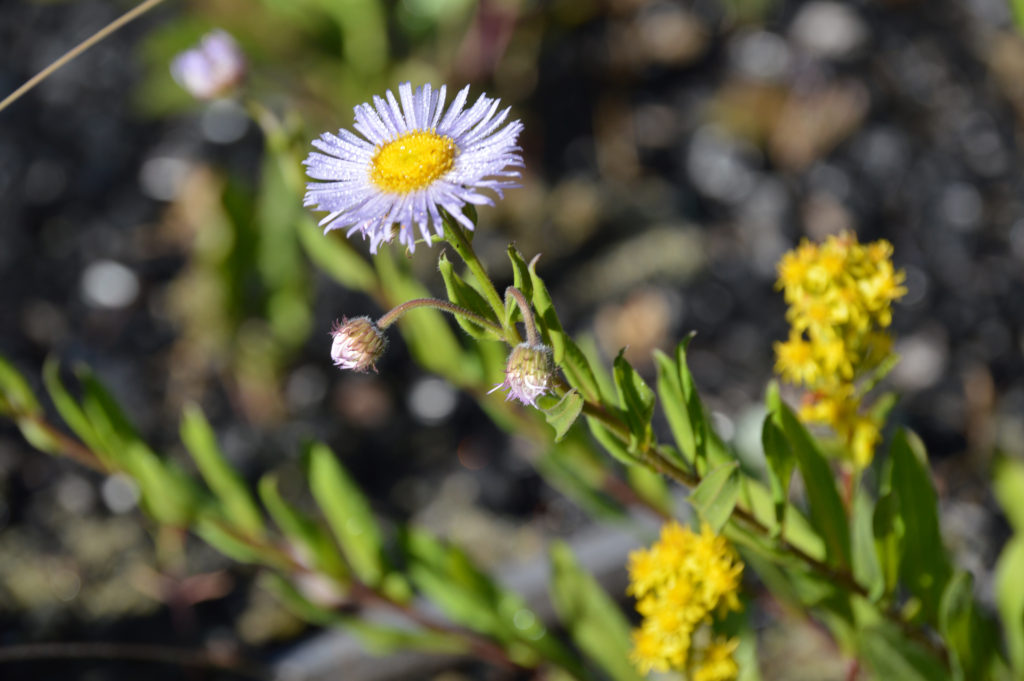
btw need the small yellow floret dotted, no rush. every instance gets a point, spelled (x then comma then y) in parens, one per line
(840, 296)
(718, 663)
(412, 161)
(681, 582)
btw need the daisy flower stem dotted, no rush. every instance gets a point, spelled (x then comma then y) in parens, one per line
(531, 327)
(391, 317)
(457, 238)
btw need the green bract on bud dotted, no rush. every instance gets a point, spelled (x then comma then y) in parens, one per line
(358, 344)
(528, 374)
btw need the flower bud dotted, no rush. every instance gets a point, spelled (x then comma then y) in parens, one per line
(358, 344)
(529, 373)
(211, 69)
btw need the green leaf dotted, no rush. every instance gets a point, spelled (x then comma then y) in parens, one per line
(297, 603)
(16, 396)
(651, 487)
(521, 280)
(675, 408)
(826, 508)
(1009, 591)
(347, 512)
(682, 404)
(302, 530)
(593, 619)
(924, 566)
(447, 576)
(112, 427)
(333, 254)
(214, 533)
(223, 480)
(577, 369)
(605, 386)
(637, 402)
(1008, 485)
(780, 459)
(69, 409)
(461, 293)
(715, 497)
(167, 493)
(867, 568)
(39, 436)
(1018, 13)
(611, 442)
(564, 414)
(891, 656)
(547, 317)
(968, 636)
(888, 532)
(377, 638)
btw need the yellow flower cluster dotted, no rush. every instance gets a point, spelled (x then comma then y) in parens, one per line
(840, 296)
(680, 583)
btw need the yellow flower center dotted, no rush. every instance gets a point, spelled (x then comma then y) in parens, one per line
(412, 161)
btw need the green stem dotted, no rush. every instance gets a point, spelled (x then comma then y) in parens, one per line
(457, 238)
(391, 317)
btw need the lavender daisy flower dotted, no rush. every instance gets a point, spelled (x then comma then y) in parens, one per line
(528, 373)
(416, 160)
(211, 69)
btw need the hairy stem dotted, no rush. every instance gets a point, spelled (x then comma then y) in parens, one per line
(392, 316)
(524, 307)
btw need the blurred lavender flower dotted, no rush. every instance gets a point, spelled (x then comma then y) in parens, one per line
(528, 373)
(358, 344)
(211, 69)
(415, 160)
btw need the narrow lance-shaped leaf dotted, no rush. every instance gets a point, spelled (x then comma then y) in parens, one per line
(521, 280)
(891, 656)
(16, 396)
(69, 409)
(312, 539)
(447, 576)
(682, 405)
(347, 512)
(969, 637)
(677, 413)
(827, 512)
(867, 567)
(1009, 591)
(594, 620)
(223, 480)
(779, 457)
(715, 497)
(924, 565)
(637, 402)
(334, 255)
(168, 494)
(611, 442)
(650, 486)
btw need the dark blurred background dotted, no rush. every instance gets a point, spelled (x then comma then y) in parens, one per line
(674, 150)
